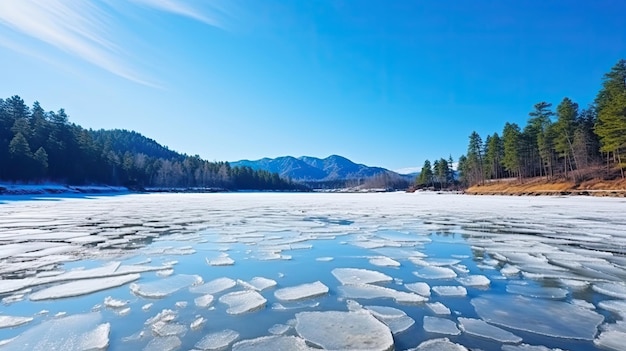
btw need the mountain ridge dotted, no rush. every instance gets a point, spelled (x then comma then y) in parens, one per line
(314, 169)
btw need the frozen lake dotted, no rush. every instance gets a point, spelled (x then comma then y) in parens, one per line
(272, 271)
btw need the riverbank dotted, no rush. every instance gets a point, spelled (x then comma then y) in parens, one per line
(51, 189)
(541, 186)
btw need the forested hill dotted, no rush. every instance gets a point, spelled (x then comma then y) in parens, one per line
(43, 146)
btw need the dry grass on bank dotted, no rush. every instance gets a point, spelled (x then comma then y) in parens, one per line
(541, 186)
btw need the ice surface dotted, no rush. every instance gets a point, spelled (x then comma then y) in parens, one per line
(72, 333)
(611, 289)
(359, 276)
(166, 286)
(223, 260)
(114, 303)
(435, 272)
(214, 286)
(508, 269)
(217, 341)
(168, 343)
(279, 329)
(526, 347)
(420, 288)
(82, 287)
(13, 321)
(258, 283)
(302, 291)
(438, 308)
(367, 291)
(384, 262)
(616, 306)
(483, 329)
(203, 301)
(324, 259)
(611, 340)
(397, 320)
(163, 328)
(546, 317)
(448, 290)
(334, 330)
(274, 343)
(440, 326)
(243, 301)
(533, 291)
(443, 344)
(197, 323)
(474, 280)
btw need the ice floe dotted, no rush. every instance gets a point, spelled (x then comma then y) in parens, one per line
(359, 276)
(420, 288)
(611, 289)
(397, 320)
(214, 286)
(546, 317)
(82, 287)
(13, 321)
(384, 262)
(258, 283)
(440, 326)
(483, 329)
(443, 344)
(435, 272)
(533, 291)
(367, 291)
(243, 301)
(203, 301)
(438, 308)
(302, 291)
(449, 290)
(166, 286)
(167, 343)
(474, 280)
(217, 341)
(274, 342)
(223, 260)
(72, 333)
(335, 330)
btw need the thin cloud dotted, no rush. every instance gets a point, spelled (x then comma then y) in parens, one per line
(85, 29)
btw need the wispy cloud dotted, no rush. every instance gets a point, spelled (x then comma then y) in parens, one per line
(88, 29)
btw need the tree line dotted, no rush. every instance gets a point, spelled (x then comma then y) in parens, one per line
(40, 146)
(567, 142)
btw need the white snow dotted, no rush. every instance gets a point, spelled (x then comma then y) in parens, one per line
(303, 291)
(114, 303)
(334, 330)
(243, 301)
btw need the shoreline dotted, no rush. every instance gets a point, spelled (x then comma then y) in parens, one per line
(543, 187)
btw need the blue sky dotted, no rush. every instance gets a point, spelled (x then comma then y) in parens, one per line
(384, 83)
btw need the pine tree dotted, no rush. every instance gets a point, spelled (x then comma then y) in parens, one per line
(426, 175)
(511, 138)
(564, 128)
(611, 105)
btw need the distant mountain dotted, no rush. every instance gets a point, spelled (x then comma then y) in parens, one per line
(313, 169)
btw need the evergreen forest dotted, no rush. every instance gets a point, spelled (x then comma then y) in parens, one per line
(39, 146)
(565, 142)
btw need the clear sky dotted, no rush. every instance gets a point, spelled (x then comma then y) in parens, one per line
(384, 83)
